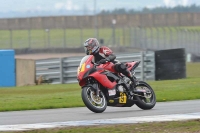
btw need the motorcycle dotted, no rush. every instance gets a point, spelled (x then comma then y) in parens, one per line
(102, 87)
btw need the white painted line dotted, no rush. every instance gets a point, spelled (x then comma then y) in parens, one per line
(142, 119)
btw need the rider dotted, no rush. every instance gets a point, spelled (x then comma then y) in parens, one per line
(103, 54)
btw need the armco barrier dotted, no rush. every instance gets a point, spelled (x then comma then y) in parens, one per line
(64, 70)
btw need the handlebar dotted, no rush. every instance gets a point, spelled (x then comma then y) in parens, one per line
(96, 64)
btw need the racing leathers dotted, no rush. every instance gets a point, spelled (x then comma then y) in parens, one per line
(105, 54)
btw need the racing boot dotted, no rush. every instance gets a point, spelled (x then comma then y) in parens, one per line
(131, 77)
(128, 74)
(130, 83)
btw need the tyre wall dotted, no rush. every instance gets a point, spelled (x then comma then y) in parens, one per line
(170, 64)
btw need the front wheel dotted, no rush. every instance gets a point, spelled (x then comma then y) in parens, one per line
(93, 102)
(145, 96)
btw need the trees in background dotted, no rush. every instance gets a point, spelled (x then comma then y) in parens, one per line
(191, 8)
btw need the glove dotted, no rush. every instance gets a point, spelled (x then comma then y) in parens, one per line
(102, 61)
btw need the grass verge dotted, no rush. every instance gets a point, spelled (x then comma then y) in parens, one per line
(69, 95)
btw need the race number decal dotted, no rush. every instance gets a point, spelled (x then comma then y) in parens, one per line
(82, 68)
(122, 98)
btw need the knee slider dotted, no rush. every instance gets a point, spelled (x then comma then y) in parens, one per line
(123, 67)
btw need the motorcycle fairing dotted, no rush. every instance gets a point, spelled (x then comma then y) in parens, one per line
(112, 77)
(86, 70)
(130, 65)
(93, 86)
(103, 79)
(109, 66)
(92, 70)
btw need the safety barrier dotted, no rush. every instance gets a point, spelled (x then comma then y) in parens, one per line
(64, 70)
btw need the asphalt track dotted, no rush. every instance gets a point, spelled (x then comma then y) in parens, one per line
(82, 113)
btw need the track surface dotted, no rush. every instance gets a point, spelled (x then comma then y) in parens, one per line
(82, 113)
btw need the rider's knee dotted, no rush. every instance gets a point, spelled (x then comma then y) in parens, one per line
(120, 67)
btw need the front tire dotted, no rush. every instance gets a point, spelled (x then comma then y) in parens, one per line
(93, 102)
(145, 100)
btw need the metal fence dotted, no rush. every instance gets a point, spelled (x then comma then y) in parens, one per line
(63, 70)
(153, 38)
(83, 20)
(166, 38)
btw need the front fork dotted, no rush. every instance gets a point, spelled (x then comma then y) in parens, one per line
(95, 88)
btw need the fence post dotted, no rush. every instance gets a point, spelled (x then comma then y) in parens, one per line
(61, 70)
(131, 36)
(113, 33)
(64, 38)
(154, 66)
(142, 65)
(164, 38)
(124, 37)
(145, 46)
(195, 42)
(158, 37)
(29, 38)
(48, 37)
(198, 40)
(151, 46)
(185, 41)
(81, 36)
(135, 36)
(11, 42)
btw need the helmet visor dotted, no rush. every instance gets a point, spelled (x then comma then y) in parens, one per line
(88, 50)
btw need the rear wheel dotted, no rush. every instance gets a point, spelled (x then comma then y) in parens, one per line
(93, 102)
(145, 96)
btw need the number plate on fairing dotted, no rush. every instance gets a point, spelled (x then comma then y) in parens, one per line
(122, 98)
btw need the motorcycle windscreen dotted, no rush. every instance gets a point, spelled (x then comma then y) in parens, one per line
(85, 65)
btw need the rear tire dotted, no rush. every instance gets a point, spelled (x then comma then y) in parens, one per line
(145, 101)
(93, 102)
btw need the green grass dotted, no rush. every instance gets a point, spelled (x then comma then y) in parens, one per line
(175, 90)
(190, 126)
(193, 70)
(69, 95)
(40, 97)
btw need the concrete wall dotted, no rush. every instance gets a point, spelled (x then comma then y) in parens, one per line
(25, 72)
(103, 21)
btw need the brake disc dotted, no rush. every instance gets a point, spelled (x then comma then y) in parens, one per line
(96, 99)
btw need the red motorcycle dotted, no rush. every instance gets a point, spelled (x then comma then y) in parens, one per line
(102, 87)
